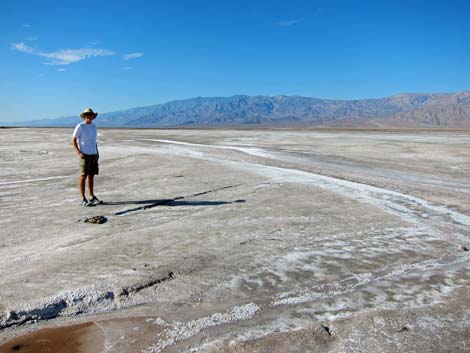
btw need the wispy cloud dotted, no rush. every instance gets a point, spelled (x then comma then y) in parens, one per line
(132, 56)
(69, 56)
(289, 23)
(127, 68)
(26, 25)
(22, 48)
(94, 42)
(31, 39)
(63, 56)
(62, 69)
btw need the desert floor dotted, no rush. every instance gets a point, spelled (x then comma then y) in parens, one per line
(237, 241)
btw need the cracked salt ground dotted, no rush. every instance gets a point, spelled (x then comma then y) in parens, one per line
(392, 292)
(181, 331)
(303, 252)
(394, 201)
(337, 256)
(406, 207)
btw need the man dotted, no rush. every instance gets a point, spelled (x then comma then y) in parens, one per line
(84, 142)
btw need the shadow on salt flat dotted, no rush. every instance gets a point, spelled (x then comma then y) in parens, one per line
(172, 202)
(147, 204)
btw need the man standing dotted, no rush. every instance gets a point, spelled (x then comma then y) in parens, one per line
(84, 142)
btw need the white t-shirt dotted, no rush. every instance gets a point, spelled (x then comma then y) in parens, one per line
(86, 135)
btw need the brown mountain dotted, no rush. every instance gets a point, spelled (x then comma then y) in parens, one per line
(451, 115)
(450, 110)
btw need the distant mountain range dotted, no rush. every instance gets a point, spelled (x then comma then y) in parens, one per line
(450, 110)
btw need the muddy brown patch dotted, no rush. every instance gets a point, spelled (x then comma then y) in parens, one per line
(81, 338)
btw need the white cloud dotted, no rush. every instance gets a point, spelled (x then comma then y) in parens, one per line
(63, 56)
(26, 25)
(69, 56)
(132, 56)
(23, 48)
(31, 39)
(289, 23)
(61, 69)
(127, 68)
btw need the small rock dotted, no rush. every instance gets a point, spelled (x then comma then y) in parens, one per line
(327, 330)
(464, 248)
(123, 292)
(403, 328)
(12, 316)
(96, 220)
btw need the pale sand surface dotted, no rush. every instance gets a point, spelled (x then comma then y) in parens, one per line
(252, 241)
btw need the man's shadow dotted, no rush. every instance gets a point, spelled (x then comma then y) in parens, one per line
(177, 201)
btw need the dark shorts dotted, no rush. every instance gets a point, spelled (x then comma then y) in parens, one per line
(89, 164)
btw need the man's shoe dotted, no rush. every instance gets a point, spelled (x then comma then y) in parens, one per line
(95, 201)
(86, 203)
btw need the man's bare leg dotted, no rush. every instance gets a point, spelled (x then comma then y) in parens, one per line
(81, 185)
(91, 178)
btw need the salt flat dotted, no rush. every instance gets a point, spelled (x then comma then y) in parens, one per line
(240, 240)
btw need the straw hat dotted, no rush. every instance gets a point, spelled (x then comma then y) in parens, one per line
(88, 111)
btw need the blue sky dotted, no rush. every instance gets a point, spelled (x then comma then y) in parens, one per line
(58, 57)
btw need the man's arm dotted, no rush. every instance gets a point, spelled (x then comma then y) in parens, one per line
(75, 145)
